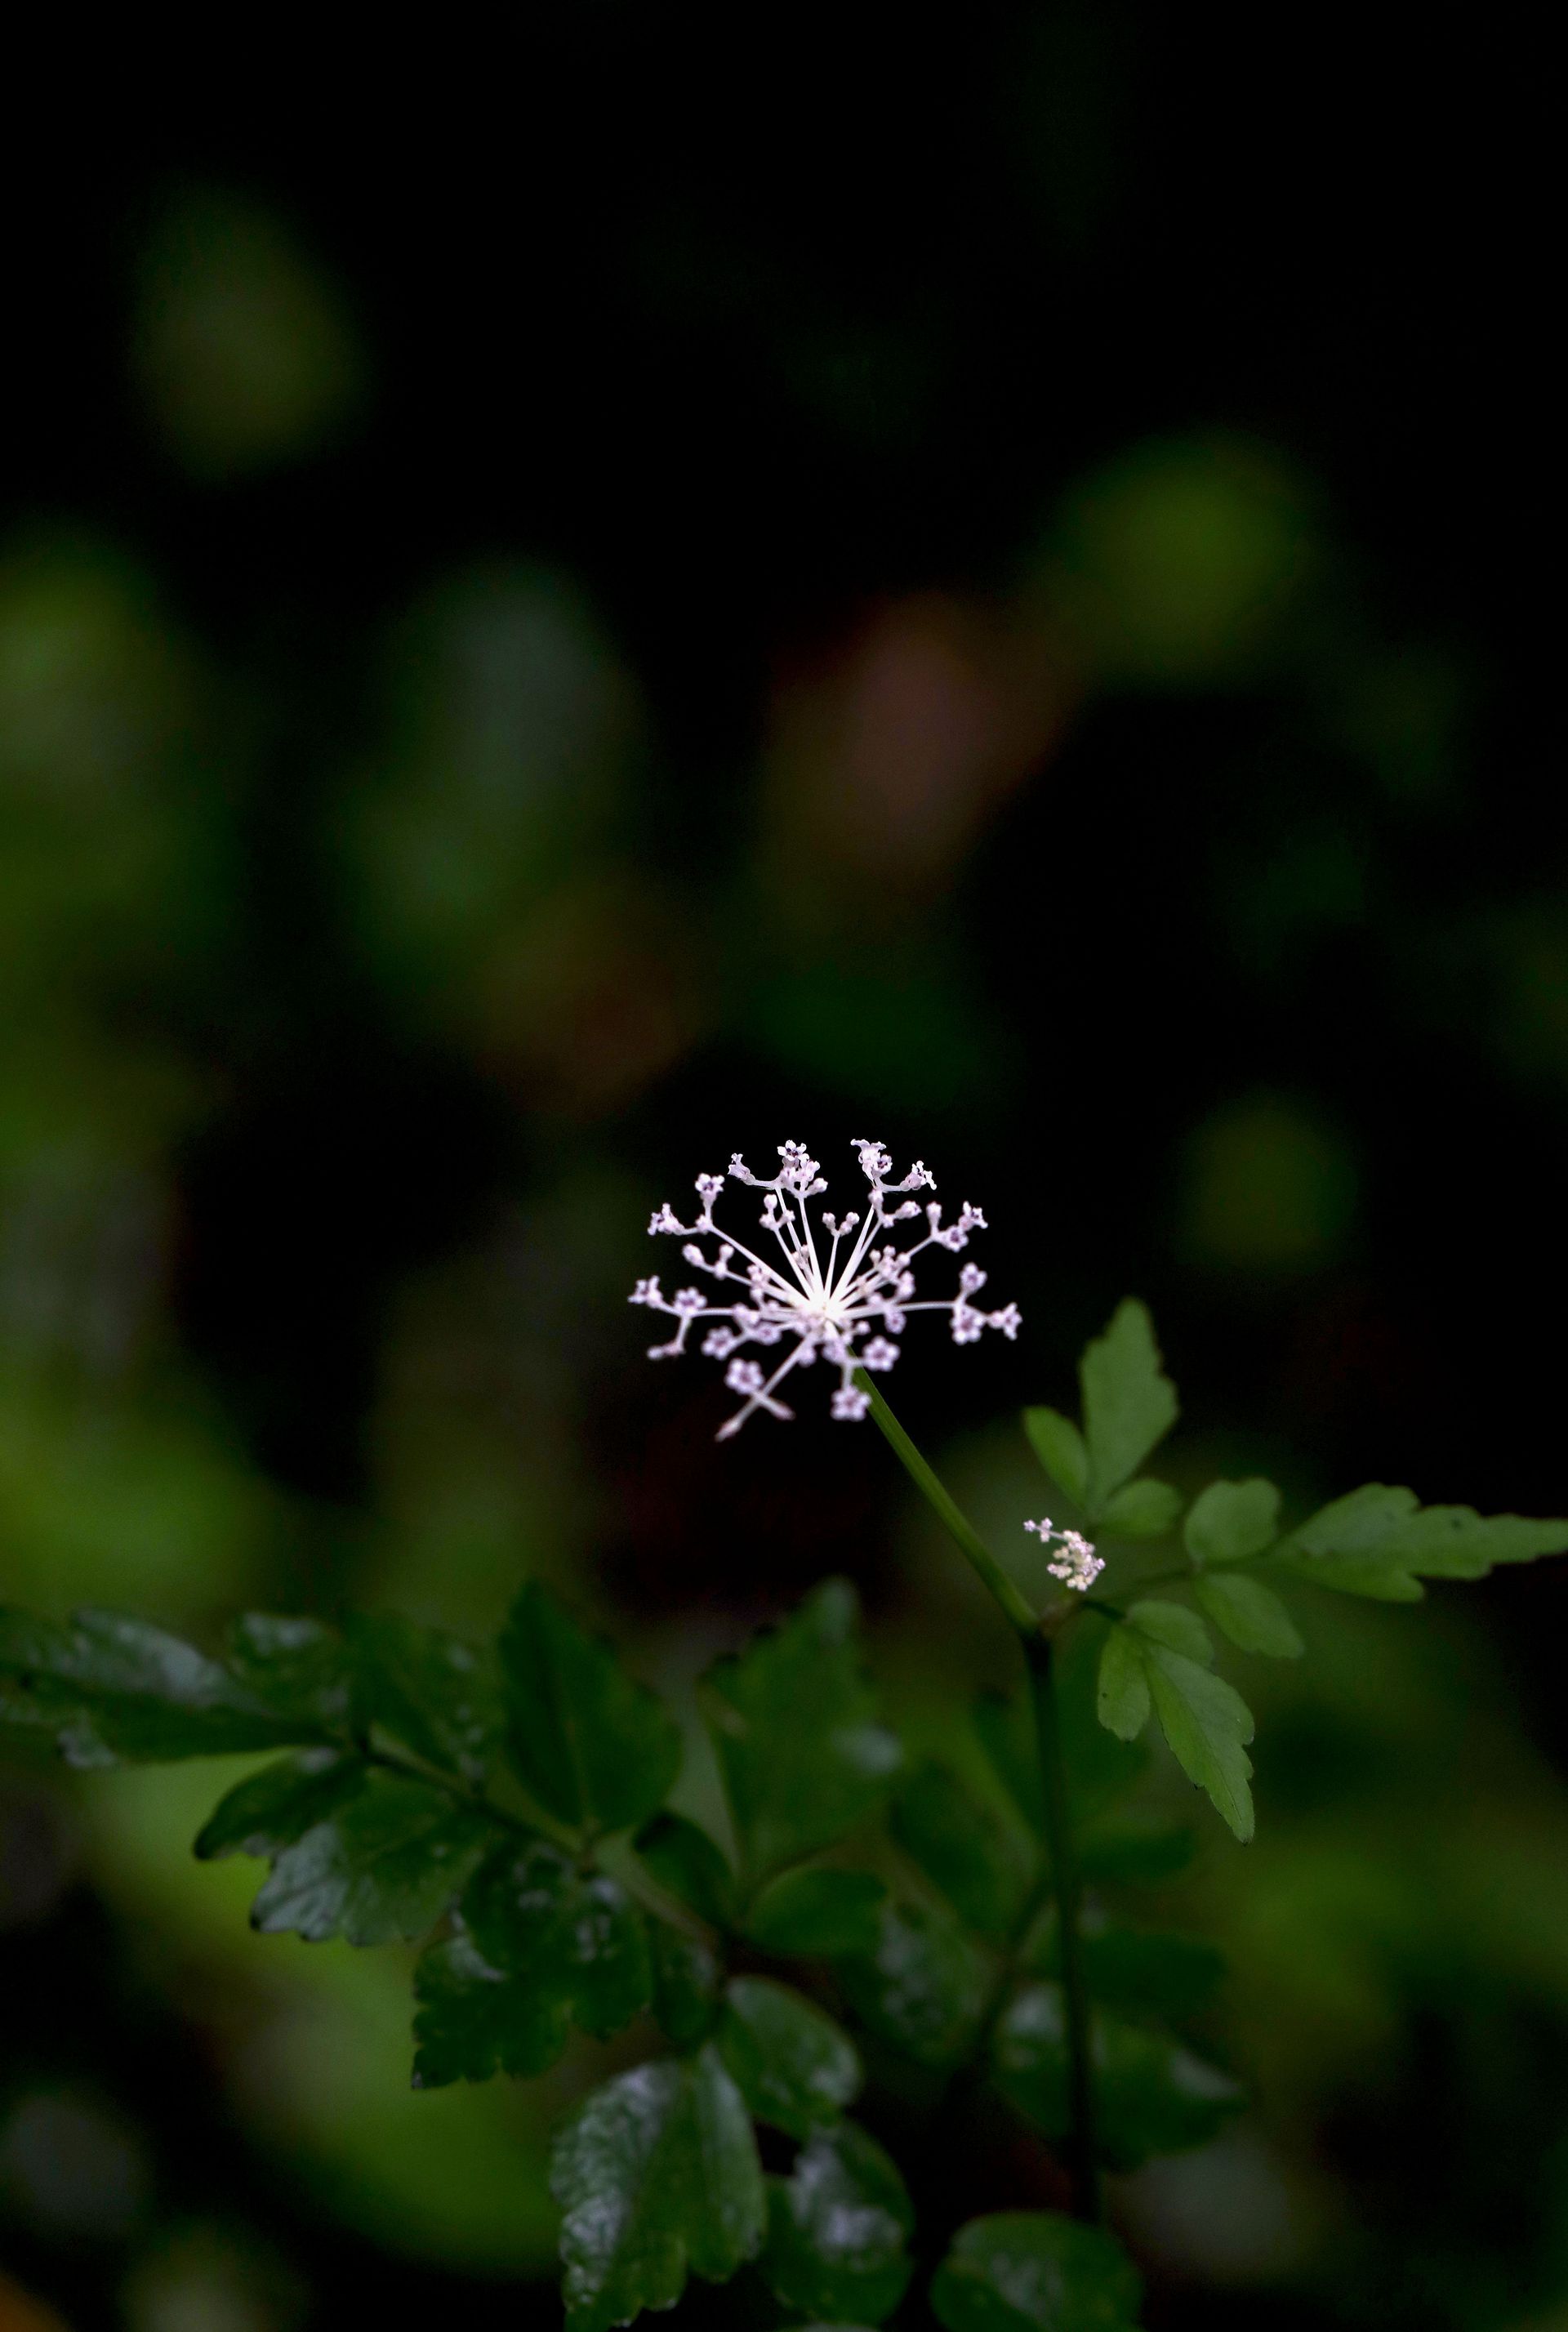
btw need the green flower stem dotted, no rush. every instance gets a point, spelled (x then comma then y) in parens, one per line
(1035, 1635)
(1019, 1611)
(1039, 1652)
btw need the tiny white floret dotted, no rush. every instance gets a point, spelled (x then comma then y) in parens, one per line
(1075, 1561)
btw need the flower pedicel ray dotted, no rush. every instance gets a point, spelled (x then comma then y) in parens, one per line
(824, 1305)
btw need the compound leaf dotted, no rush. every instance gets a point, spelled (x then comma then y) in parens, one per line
(571, 1936)
(792, 2064)
(115, 1690)
(1249, 1615)
(657, 2174)
(1229, 1521)
(1207, 1724)
(1129, 1402)
(274, 1808)
(430, 1691)
(595, 1747)
(837, 2228)
(386, 1865)
(1058, 1445)
(1381, 1542)
(297, 1667)
(1033, 2272)
(793, 1722)
(474, 2020)
(1141, 1509)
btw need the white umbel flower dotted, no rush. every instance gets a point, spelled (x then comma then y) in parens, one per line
(834, 1292)
(1075, 1561)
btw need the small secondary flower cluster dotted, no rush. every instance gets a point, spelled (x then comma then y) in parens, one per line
(1075, 1562)
(809, 1296)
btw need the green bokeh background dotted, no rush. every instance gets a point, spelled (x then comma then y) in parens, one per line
(981, 595)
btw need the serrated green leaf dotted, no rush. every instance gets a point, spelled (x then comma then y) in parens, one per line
(1249, 1615)
(792, 2064)
(1207, 1724)
(1230, 1521)
(474, 2020)
(592, 1746)
(688, 1865)
(818, 1914)
(838, 2227)
(274, 1808)
(924, 1989)
(1141, 1509)
(686, 1984)
(980, 1864)
(1152, 2095)
(386, 1865)
(1058, 1445)
(1129, 1402)
(655, 2173)
(1175, 1627)
(297, 1667)
(793, 1722)
(1380, 1541)
(1032, 2272)
(1137, 1971)
(113, 1690)
(1134, 1853)
(1124, 1698)
(433, 1694)
(571, 1936)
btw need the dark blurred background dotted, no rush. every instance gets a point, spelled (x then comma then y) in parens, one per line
(599, 594)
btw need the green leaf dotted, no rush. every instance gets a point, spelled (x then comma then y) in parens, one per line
(274, 1808)
(1380, 1541)
(1032, 2272)
(818, 1914)
(474, 2020)
(1141, 1509)
(836, 2229)
(792, 2064)
(655, 2173)
(1152, 2095)
(1139, 1970)
(593, 1747)
(1133, 1853)
(1129, 1403)
(1175, 1627)
(431, 1692)
(793, 1722)
(688, 1865)
(1207, 1724)
(113, 1690)
(1058, 1445)
(1249, 1615)
(574, 1936)
(388, 1864)
(967, 1853)
(1229, 1521)
(925, 1988)
(1123, 1701)
(297, 1667)
(686, 1984)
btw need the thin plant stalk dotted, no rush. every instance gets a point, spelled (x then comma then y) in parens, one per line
(1039, 1657)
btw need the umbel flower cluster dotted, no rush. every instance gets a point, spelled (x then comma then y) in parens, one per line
(839, 1290)
(1075, 1561)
